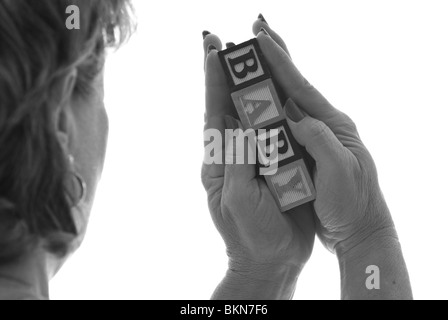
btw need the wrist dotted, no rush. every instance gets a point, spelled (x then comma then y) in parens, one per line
(372, 265)
(360, 250)
(255, 270)
(375, 228)
(254, 281)
(375, 269)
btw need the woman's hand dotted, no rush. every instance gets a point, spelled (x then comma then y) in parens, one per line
(352, 216)
(349, 203)
(266, 249)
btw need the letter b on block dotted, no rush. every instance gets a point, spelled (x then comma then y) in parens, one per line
(243, 62)
(243, 65)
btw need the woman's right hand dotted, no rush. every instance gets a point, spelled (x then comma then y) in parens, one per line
(349, 203)
(353, 218)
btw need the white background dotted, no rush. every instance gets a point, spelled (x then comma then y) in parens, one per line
(384, 63)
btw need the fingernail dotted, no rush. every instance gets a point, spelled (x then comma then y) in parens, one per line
(229, 45)
(264, 31)
(231, 123)
(260, 16)
(210, 48)
(293, 112)
(205, 33)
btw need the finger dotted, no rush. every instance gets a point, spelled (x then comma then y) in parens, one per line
(218, 98)
(240, 161)
(316, 136)
(262, 23)
(294, 84)
(218, 101)
(210, 42)
(217, 105)
(304, 218)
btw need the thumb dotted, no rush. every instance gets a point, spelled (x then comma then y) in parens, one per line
(314, 135)
(239, 154)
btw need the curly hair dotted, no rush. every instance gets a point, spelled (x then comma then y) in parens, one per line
(36, 52)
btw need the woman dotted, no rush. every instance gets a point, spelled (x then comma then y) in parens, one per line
(53, 132)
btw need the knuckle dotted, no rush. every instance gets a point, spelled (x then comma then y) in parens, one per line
(348, 122)
(212, 39)
(317, 128)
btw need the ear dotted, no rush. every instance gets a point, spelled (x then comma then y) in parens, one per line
(63, 114)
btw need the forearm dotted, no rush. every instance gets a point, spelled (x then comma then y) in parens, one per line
(375, 269)
(274, 284)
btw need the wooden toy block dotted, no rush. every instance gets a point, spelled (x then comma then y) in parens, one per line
(287, 148)
(291, 185)
(244, 65)
(258, 105)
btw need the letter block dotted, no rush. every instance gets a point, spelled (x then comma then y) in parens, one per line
(288, 149)
(244, 65)
(261, 108)
(258, 105)
(291, 185)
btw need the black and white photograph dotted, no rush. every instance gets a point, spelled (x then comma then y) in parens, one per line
(223, 150)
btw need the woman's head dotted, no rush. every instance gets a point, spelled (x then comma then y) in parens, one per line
(51, 111)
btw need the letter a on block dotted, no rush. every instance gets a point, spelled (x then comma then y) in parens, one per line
(291, 185)
(255, 108)
(258, 105)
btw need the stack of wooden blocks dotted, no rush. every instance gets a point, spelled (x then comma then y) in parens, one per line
(259, 107)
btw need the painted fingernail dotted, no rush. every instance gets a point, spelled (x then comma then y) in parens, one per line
(293, 112)
(264, 31)
(205, 33)
(260, 16)
(210, 48)
(231, 122)
(230, 45)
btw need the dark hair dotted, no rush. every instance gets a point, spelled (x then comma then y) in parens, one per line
(36, 52)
